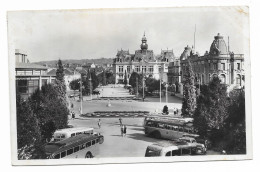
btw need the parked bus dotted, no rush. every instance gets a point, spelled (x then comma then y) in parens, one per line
(180, 148)
(80, 146)
(169, 128)
(71, 132)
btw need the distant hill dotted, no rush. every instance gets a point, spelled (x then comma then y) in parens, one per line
(99, 61)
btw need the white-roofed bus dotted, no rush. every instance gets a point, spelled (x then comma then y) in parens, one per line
(80, 146)
(62, 134)
(168, 127)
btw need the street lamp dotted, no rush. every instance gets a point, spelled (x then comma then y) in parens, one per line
(81, 96)
(166, 85)
(90, 87)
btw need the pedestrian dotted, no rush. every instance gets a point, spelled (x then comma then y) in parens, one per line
(73, 115)
(122, 130)
(125, 130)
(165, 110)
(99, 123)
(120, 121)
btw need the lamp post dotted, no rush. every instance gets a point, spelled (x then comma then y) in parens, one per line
(81, 96)
(166, 85)
(160, 88)
(90, 87)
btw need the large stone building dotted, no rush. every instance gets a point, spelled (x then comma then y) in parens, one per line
(143, 61)
(29, 77)
(218, 62)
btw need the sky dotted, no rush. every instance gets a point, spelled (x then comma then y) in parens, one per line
(90, 34)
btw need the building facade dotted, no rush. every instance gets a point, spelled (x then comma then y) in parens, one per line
(218, 62)
(143, 61)
(29, 76)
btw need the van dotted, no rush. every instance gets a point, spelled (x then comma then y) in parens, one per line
(170, 148)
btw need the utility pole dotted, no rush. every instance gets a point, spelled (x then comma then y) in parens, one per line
(81, 95)
(90, 87)
(166, 85)
(143, 85)
(160, 88)
(137, 87)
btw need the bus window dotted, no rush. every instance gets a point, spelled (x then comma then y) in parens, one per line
(57, 156)
(88, 144)
(76, 149)
(78, 133)
(176, 152)
(168, 153)
(186, 151)
(82, 146)
(73, 134)
(97, 140)
(70, 151)
(62, 136)
(63, 154)
(93, 142)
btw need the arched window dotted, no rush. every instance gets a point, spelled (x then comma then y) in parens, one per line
(238, 80)
(222, 78)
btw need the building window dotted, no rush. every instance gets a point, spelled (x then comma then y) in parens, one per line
(238, 66)
(27, 86)
(20, 72)
(238, 80)
(120, 69)
(44, 82)
(222, 78)
(28, 72)
(223, 66)
(36, 72)
(215, 66)
(128, 69)
(144, 69)
(150, 68)
(137, 68)
(159, 68)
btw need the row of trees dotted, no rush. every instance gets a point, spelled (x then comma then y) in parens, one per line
(39, 116)
(150, 83)
(106, 77)
(218, 116)
(86, 84)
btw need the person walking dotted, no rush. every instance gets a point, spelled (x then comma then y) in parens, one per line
(120, 121)
(124, 130)
(99, 123)
(73, 115)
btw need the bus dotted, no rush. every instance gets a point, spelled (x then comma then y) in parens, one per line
(80, 146)
(178, 148)
(71, 132)
(169, 128)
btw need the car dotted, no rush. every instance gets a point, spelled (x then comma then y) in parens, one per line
(96, 92)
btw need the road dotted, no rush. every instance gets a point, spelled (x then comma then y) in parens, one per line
(132, 145)
(135, 142)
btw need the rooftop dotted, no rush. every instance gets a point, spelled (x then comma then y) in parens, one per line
(29, 66)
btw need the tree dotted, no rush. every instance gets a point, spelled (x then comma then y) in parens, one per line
(74, 84)
(189, 92)
(235, 134)
(60, 72)
(125, 79)
(132, 80)
(211, 111)
(104, 82)
(51, 110)
(28, 131)
(153, 84)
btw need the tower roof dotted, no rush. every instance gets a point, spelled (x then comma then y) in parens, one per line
(218, 46)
